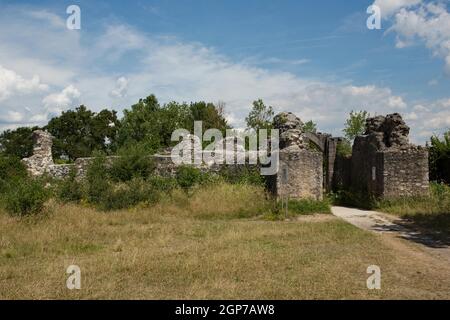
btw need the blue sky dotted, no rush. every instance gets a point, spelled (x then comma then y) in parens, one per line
(315, 58)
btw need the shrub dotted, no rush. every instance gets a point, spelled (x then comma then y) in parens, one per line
(25, 196)
(97, 179)
(69, 189)
(132, 162)
(10, 168)
(187, 177)
(162, 184)
(128, 194)
(243, 175)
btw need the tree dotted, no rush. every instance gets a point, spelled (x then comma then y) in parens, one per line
(79, 132)
(440, 158)
(151, 125)
(17, 143)
(260, 117)
(211, 116)
(355, 124)
(142, 125)
(310, 126)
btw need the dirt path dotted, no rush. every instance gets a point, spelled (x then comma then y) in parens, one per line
(394, 230)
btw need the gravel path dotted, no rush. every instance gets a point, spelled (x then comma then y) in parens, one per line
(392, 226)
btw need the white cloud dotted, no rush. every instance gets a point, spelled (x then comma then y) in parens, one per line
(396, 102)
(121, 88)
(11, 83)
(388, 7)
(428, 24)
(11, 117)
(58, 102)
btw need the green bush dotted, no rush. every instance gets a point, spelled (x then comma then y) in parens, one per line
(69, 189)
(97, 180)
(132, 162)
(187, 177)
(25, 196)
(128, 194)
(162, 184)
(242, 175)
(10, 168)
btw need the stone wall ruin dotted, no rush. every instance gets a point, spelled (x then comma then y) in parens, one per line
(383, 163)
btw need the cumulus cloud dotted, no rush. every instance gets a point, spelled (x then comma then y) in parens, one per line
(428, 24)
(121, 88)
(11, 117)
(55, 103)
(388, 7)
(12, 83)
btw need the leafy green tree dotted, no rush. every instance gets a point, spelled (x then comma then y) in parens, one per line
(173, 116)
(440, 158)
(18, 142)
(151, 125)
(260, 117)
(310, 126)
(79, 132)
(141, 125)
(212, 117)
(355, 124)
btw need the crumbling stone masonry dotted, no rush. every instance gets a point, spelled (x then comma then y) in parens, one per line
(300, 174)
(384, 164)
(42, 158)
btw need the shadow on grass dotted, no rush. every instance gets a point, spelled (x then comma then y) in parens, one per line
(435, 227)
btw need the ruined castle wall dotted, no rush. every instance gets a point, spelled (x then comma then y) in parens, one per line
(405, 173)
(366, 168)
(300, 175)
(341, 178)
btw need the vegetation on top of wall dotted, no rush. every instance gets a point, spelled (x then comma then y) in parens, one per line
(355, 125)
(344, 148)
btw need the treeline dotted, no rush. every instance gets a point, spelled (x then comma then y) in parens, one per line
(81, 132)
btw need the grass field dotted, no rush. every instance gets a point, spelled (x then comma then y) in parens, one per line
(208, 245)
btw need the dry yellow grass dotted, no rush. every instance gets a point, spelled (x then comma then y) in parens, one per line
(198, 248)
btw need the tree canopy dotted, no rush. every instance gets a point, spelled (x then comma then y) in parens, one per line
(355, 124)
(260, 117)
(18, 142)
(81, 131)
